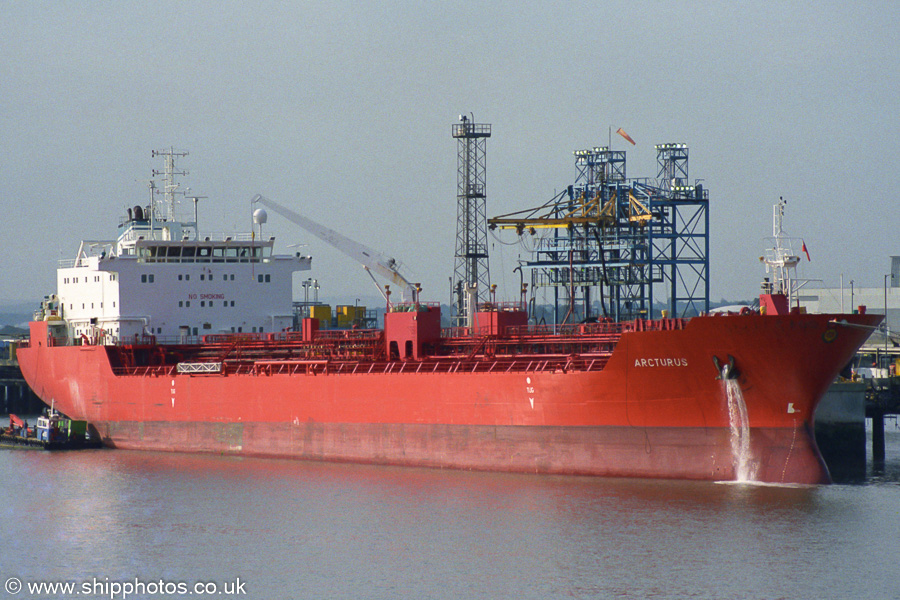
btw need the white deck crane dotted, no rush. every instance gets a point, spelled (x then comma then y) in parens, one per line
(370, 259)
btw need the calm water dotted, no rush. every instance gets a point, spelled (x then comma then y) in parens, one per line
(291, 529)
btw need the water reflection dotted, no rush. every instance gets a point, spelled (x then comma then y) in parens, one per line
(297, 529)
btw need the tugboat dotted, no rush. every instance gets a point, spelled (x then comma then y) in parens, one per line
(52, 432)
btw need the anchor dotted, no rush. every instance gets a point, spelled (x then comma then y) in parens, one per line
(728, 371)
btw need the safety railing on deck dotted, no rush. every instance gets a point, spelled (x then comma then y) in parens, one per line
(558, 363)
(579, 347)
(498, 365)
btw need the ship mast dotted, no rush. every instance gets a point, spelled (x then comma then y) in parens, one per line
(170, 187)
(780, 260)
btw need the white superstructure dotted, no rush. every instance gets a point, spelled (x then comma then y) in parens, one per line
(161, 279)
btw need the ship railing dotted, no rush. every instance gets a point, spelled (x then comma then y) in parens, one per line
(68, 263)
(414, 306)
(52, 340)
(513, 306)
(58, 340)
(146, 371)
(475, 348)
(667, 324)
(600, 328)
(555, 363)
(224, 236)
(292, 336)
(344, 334)
(148, 340)
(228, 338)
(325, 366)
(526, 334)
(158, 235)
(456, 332)
(457, 336)
(528, 331)
(153, 340)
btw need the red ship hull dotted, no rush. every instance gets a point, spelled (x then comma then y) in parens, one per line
(657, 408)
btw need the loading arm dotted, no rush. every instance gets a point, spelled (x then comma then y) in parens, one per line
(369, 258)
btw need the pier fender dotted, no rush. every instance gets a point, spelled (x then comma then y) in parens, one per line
(727, 370)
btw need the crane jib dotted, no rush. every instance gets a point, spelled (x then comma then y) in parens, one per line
(370, 259)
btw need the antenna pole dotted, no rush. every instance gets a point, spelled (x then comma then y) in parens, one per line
(170, 188)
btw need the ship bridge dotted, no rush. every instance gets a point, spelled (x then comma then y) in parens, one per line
(225, 251)
(162, 279)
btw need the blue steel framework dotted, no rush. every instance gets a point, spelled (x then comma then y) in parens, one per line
(624, 244)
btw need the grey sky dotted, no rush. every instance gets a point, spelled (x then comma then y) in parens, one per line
(342, 110)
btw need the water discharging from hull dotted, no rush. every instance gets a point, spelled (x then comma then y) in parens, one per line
(744, 467)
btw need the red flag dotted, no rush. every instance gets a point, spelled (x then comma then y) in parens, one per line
(621, 132)
(806, 252)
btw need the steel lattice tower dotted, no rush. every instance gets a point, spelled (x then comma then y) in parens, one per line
(471, 265)
(680, 245)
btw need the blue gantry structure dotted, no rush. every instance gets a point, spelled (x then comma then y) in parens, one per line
(612, 247)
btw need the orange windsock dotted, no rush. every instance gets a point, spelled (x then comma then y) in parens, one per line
(621, 132)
